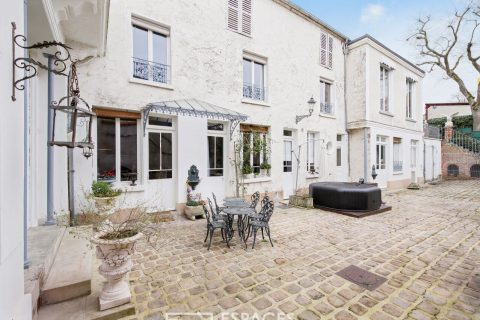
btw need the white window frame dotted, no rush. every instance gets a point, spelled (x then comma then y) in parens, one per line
(312, 148)
(385, 88)
(159, 129)
(217, 134)
(397, 158)
(410, 94)
(152, 26)
(413, 153)
(326, 50)
(327, 107)
(259, 60)
(381, 144)
(262, 154)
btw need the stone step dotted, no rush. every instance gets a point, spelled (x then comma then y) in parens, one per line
(71, 273)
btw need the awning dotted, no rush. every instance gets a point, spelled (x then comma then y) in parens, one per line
(194, 108)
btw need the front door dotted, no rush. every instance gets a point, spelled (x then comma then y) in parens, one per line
(287, 179)
(381, 161)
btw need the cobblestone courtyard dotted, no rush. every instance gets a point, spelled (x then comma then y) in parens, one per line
(428, 248)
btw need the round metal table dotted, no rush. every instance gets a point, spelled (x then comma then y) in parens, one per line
(242, 214)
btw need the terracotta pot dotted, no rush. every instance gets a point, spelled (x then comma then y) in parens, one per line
(193, 211)
(116, 263)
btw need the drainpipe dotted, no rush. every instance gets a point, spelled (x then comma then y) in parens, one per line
(365, 154)
(50, 156)
(345, 55)
(26, 261)
(424, 161)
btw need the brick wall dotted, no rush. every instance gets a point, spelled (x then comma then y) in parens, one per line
(458, 156)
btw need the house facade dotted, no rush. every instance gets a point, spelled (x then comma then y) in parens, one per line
(384, 119)
(161, 75)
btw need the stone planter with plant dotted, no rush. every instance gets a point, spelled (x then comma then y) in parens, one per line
(104, 196)
(265, 169)
(194, 205)
(247, 171)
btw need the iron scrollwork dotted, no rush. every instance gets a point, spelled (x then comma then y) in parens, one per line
(61, 57)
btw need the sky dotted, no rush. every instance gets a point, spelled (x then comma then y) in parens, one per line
(392, 22)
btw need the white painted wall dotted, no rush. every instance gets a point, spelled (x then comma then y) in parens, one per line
(442, 111)
(432, 150)
(13, 303)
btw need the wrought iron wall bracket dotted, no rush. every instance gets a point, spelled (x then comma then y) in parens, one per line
(61, 57)
(300, 118)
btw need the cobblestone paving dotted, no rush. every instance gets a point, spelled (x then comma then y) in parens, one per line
(428, 248)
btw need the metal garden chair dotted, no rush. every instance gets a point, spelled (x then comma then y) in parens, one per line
(262, 223)
(215, 224)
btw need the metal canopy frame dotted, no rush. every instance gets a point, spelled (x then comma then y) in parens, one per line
(193, 108)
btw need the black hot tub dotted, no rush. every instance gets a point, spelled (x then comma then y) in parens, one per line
(346, 196)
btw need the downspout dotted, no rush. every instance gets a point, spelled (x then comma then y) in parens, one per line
(345, 55)
(26, 261)
(365, 153)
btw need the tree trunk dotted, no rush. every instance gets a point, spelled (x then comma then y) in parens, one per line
(476, 119)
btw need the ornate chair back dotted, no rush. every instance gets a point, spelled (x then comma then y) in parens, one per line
(214, 213)
(267, 211)
(207, 213)
(255, 198)
(216, 203)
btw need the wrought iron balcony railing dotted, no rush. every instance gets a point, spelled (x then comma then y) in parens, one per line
(397, 166)
(254, 92)
(152, 71)
(326, 107)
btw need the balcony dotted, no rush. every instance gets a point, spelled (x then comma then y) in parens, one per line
(151, 71)
(251, 91)
(326, 108)
(397, 166)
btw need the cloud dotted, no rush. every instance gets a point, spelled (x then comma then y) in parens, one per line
(371, 13)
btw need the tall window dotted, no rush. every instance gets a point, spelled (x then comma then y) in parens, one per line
(326, 50)
(160, 155)
(339, 150)
(117, 149)
(384, 88)
(215, 149)
(256, 148)
(326, 101)
(381, 152)
(254, 80)
(409, 98)
(397, 155)
(311, 152)
(413, 153)
(239, 16)
(150, 52)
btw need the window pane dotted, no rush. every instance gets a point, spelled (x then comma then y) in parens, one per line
(128, 149)
(166, 150)
(247, 71)
(339, 157)
(215, 126)
(211, 152)
(258, 81)
(106, 149)
(140, 43)
(287, 133)
(328, 87)
(219, 152)
(153, 151)
(159, 48)
(160, 121)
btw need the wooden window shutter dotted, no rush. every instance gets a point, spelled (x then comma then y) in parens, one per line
(323, 49)
(247, 17)
(253, 128)
(112, 113)
(330, 52)
(233, 15)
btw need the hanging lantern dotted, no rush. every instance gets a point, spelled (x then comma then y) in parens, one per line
(75, 112)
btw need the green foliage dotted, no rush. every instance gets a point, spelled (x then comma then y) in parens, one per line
(247, 168)
(102, 189)
(458, 122)
(194, 203)
(265, 166)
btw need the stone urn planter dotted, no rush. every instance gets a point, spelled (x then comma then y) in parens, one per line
(116, 263)
(105, 204)
(194, 211)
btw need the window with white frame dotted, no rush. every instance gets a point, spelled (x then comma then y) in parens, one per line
(413, 153)
(255, 148)
(116, 149)
(384, 88)
(326, 101)
(397, 155)
(381, 152)
(239, 16)
(326, 50)
(150, 51)
(254, 79)
(160, 148)
(311, 152)
(339, 150)
(409, 98)
(215, 149)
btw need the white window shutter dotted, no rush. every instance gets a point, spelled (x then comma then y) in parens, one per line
(323, 49)
(246, 17)
(233, 18)
(330, 52)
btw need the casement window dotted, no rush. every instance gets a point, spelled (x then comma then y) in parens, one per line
(239, 16)
(151, 60)
(255, 146)
(160, 148)
(384, 88)
(254, 79)
(116, 149)
(413, 153)
(339, 150)
(311, 152)
(397, 155)
(409, 98)
(381, 152)
(326, 50)
(215, 149)
(287, 150)
(326, 101)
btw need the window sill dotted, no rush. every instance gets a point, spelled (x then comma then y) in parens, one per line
(312, 176)
(257, 180)
(152, 84)
(127, 188)
(411, 120)
(327, 115)
(256, 102)
(386, 113)
(396, 173)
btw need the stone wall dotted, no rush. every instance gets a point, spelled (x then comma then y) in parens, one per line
(455, 155)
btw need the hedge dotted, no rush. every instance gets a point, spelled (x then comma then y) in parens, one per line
(458, 122)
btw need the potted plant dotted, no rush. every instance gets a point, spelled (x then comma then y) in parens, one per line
(247, 171)
(104, 195)
(194, 205)
(265, 169)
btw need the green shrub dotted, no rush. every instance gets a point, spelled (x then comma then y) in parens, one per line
(102, 189)
(247, 168)
(265, 166)
(458, 122)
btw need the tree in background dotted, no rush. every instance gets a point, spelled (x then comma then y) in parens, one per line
(446, 51)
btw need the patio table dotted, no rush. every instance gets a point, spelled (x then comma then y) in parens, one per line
(241, 213)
